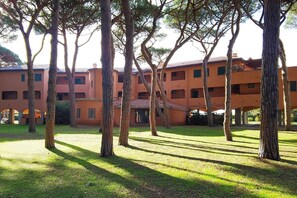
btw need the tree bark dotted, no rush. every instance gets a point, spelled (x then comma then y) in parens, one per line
(207, 97)
(286, 86)
(107, 81)
(153, 103)
(126, 105)
(164, 99)
(228, 70)
(51, 93)
(269, 82)
(31, 91)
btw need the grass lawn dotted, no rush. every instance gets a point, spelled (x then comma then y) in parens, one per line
(187, 161)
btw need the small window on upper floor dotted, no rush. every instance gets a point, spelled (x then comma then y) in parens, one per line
(221, 70)
(197, 73)
(120, 78)
(38, 77)
(120, 94)
(179, 75)
(23, 77)
(9, 95)
(251, 85)
(194, 93)
(177, 94)
(37, 95)
(79, 80)
(293, 86)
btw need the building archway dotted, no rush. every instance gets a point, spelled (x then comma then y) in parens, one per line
(9, 116)
(24, 117)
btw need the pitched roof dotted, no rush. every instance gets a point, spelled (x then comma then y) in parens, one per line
(144, 104)
(23, 67)
(198, 62)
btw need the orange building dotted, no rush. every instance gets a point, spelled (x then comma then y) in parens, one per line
(182, 82)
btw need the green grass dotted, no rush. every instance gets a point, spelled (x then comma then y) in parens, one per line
(185, 161)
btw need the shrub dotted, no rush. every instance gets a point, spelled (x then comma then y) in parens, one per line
(62, 112)
(201, 119)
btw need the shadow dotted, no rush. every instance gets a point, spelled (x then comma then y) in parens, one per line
(203, 148)
(151, 183)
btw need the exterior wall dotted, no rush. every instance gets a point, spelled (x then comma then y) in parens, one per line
(62, 84)
(245, 95)
(11, 81)
(84, 106)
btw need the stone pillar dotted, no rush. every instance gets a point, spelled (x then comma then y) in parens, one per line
(245, 119)
(11, 116)
(20, 116)
(238, 117)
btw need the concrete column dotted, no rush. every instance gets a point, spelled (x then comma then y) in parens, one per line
(245, 119)
(11, 116)
(238, 117)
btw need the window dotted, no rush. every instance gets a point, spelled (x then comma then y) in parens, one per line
(146, 77)
(120, 94)
(23, 77)
(9, 95)
(197, 73)
(177, 94)
(164, 76)
(251, 85)
(80, 95)
(79, 80)
(92, 83)
(194, 93)
(78, 113)
(91, 113)
(38, 77)
(211, 89)
(293, 86)
(120, 78)
(179, 75)
(221, 70)
(62, 80)
(143, 95)
(141, 116)
(37, 95)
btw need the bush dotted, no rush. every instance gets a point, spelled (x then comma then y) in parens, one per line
(199, 119)
(62, 112)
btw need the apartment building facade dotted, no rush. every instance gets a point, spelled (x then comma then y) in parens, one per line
(182, 81)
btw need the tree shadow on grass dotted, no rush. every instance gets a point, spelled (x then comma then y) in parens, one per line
(197, 147)
(276, 177)
(151, 183)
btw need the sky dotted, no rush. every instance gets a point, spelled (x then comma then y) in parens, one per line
(248, 45)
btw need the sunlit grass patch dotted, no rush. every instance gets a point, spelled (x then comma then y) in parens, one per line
(187, 161)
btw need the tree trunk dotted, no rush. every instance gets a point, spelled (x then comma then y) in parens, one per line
(165, 102)
(31, 91)
(227, 129)
(51, 93)
(228, 70)
(152, 116)
(107, 80)
(269, 82)
(70, 77)
(148, 88)
(207, 97)
(286, 87)
(126, 105)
